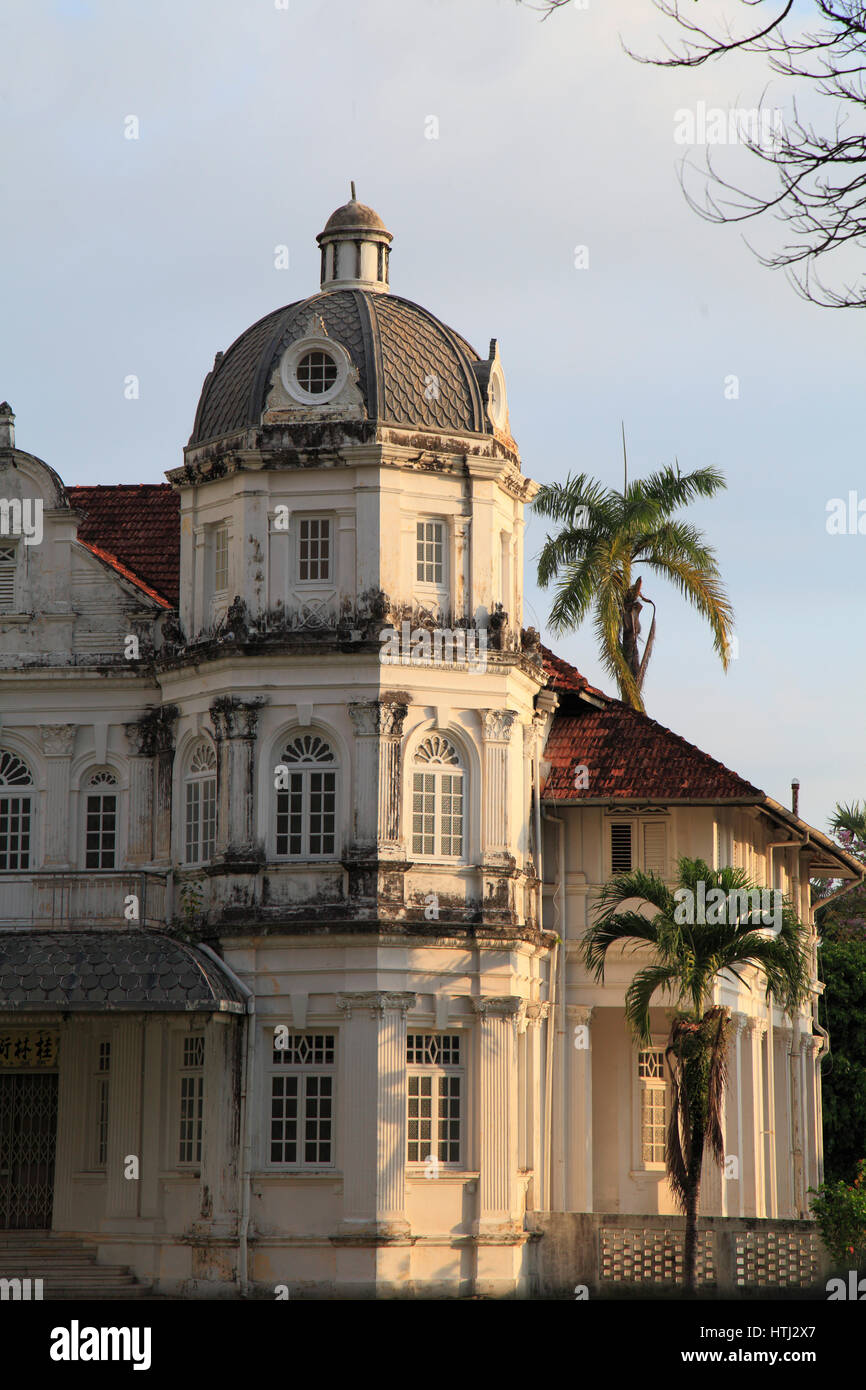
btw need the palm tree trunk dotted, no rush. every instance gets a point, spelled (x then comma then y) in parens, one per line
(693, 1194)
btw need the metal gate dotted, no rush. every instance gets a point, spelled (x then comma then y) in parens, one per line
(28, 1138)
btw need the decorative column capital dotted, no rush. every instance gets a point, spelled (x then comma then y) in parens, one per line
(579, 1013)
(536, 1012)
(377, 1001)
(496, 725)
(153, 733)
(58, 739)
(757, 1025)
(233, 717)
(373, 718)
(499, 1006)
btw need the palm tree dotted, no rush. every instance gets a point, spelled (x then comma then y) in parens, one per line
(848, 824)
(604, 535)
(687, 960)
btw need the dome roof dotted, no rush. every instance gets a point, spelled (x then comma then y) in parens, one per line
(353, 215)
(412, 369)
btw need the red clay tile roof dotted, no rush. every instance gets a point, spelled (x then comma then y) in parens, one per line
(631, 757)
(116, 564)
(136, 528)
(561, 677)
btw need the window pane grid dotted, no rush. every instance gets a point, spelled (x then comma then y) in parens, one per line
(191, 1114)
(100, 831)
(653, 1105)
(430, 552)
(221, 559)
(14, 832)
(200, 819)
(307, 815)
(316, 372)
(314, 549)
(433, 1097)
(302, 1100)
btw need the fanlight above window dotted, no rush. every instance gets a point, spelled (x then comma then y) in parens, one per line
(203, 758)
(102, 779)
(308, 748)
(13, 772)
(436, 750)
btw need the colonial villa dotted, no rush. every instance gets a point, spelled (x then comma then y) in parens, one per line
(290, 987)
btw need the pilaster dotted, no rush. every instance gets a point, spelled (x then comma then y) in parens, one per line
(373, 1051)
(498, 1214)
(58, 742)
(235, 723)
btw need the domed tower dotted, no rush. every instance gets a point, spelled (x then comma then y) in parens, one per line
(352, 667)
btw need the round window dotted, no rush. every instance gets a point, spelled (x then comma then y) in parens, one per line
(316, 372)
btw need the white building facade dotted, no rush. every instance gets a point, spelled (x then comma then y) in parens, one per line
(292, 879)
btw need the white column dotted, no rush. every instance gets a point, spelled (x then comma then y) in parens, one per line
(578, 1120)
(58, 741)
(813, 1130)
(786, 1155)
(373, 1049)
(752, 1167)
(535, 1117)
(733, 1186)
(497, 1114)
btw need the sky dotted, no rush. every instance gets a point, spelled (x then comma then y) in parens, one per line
(143, 257)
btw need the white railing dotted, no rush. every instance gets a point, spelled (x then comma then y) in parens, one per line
(57, 898)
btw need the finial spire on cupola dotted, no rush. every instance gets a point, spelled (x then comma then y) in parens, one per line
(7, 426)
(356, 246)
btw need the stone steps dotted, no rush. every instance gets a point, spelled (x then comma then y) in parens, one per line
(67, 1267)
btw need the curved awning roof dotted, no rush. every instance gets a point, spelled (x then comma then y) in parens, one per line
(103, 971)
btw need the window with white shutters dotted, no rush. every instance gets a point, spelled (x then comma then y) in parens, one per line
(655, 848)
(8, 570)
(437, 800)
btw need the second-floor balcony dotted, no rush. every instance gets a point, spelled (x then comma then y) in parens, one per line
(58, 898)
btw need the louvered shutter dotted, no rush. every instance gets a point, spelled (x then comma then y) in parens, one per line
(620, 849)
(655, 849)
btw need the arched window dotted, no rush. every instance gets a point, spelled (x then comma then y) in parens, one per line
(200, 804)
(437, 799)
(16, 809)
(306, 781)
(100, 841)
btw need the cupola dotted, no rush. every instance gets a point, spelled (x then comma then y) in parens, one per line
(355, 247)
